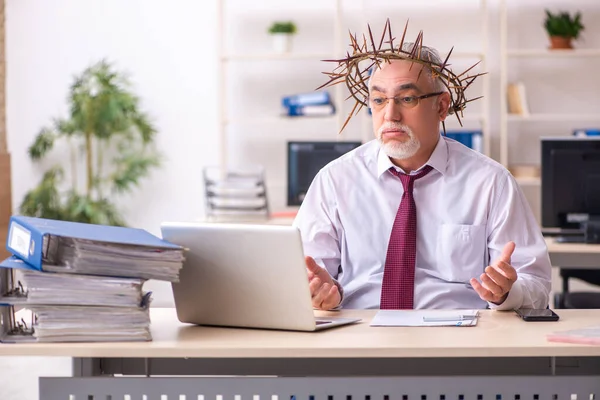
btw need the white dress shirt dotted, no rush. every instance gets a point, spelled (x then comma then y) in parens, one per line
(468, 208)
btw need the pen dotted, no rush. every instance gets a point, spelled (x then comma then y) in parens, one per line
(450, 319)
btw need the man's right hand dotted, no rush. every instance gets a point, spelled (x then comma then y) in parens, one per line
(324, 292)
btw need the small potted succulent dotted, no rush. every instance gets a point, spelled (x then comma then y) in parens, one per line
(282, 32)
(562, 29)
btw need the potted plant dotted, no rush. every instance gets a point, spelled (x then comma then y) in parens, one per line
(107, 133)
(562, 29)
(282, 32)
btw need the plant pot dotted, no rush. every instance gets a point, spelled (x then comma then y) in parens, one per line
(282, 42)
(560, 42)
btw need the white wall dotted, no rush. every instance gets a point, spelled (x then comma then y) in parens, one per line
(169, 47)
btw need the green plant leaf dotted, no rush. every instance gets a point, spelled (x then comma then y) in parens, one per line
(42, 144)
(84, 209)
(562, 24)
(145, 127)
(283, 27)
(131, 168)
(105, 111)
(44, 200)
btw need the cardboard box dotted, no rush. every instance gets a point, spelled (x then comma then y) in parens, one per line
(5, 201)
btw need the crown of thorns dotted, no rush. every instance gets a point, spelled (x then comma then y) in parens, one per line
(349, 71)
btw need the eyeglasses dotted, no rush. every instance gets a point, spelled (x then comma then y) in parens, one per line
(379, 102)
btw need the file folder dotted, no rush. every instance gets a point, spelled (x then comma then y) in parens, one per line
(51, 323)
(21, 284)
(75, 247)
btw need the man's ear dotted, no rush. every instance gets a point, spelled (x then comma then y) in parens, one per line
(443, 105)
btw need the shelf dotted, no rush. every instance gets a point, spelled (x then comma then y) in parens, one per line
(277, 56)
(451, 119)
(529, 181)
(278, 120)
(466, 118)
(463, 54)
(315, 56)
(553, 53)
(555, 117)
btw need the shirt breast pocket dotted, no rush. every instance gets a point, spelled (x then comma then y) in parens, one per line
(461, 252)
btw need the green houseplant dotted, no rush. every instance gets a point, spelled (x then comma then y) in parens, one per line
(563, 28)
(106, 132)
(282, 32)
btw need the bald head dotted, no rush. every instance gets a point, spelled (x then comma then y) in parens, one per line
(428, 54)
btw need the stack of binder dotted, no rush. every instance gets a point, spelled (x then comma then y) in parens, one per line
(236, 194)
(73, 282)
(308, 104)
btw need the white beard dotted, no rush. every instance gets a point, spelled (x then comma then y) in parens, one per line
(397, 149)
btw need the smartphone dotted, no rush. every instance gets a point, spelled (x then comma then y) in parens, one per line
(533, 315)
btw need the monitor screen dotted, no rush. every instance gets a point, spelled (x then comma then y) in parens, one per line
(305, 159)
(570, 181)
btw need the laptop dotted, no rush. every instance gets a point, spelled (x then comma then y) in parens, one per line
(244, 275)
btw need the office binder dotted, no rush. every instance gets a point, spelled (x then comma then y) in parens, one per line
(51, 323)
(24, 285)
(22, 321)
(310, 110)
(305, 99)
(75, 247)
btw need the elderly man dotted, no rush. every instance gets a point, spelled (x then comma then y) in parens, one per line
(413, 219)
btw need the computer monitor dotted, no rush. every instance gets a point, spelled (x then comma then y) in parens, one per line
(570, 181)
(305, 159)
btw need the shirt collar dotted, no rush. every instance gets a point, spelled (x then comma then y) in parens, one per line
(438, 159)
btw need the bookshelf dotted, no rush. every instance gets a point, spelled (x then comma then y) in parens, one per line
(254, 131)
(546, 74)
(571, 53)
(565, 57)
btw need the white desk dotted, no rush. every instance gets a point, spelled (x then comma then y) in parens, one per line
(502, 355)
(574, 255)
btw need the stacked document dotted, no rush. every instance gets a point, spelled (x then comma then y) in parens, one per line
(76, 324)
(72, 255)
(72, 307)
(236, 194)
(35, 287)
(79, 282)
(81, 324)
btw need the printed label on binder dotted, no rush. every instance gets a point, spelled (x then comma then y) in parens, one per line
(20, 239)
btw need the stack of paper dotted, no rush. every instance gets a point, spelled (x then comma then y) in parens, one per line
(67, 254)
(235, 193)
(36, 287)
(425, 318)
(80, 282)
(81, 324)
(73, 307)
(76, 323)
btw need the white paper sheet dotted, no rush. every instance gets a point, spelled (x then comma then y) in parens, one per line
(425, 318)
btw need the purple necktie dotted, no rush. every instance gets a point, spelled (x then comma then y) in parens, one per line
(397, 291)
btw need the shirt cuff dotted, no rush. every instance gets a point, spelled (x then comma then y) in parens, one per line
(513, 301)
(341, 290)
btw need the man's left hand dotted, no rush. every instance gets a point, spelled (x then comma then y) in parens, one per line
(498, 278)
